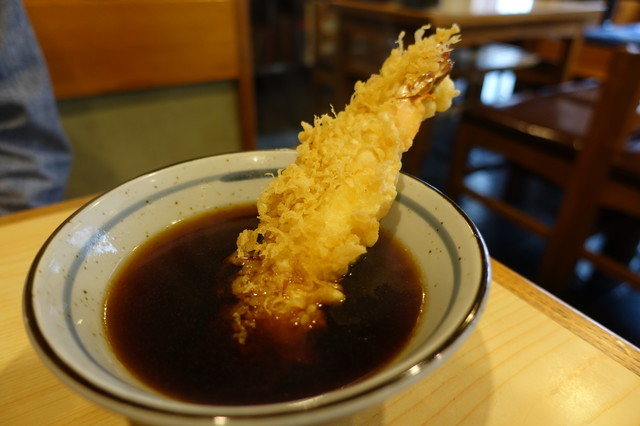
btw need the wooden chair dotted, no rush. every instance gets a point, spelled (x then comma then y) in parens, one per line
(98, 47)
(578, 136)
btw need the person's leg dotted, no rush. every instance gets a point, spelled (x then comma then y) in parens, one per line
(35, 154)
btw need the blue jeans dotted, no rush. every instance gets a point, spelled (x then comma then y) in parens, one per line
(35, 155)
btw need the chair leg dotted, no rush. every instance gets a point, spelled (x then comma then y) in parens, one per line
(621, 238)
(573, 224)
(413, 159)
(622, 235)
(459, 158)
(513, 186)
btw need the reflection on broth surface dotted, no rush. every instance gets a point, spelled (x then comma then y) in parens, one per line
(167, 319)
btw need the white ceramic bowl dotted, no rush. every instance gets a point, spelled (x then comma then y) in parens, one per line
(65, 289)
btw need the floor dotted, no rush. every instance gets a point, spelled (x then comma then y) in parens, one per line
(285, 100)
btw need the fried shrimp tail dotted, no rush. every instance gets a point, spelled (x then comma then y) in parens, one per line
(321, 213)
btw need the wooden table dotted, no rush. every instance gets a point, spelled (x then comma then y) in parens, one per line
(367, 30)
(480, 23)
(531, 360)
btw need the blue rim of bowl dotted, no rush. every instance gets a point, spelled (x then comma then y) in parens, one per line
(290, 408)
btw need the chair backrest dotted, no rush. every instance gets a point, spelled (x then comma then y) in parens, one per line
(95, 47)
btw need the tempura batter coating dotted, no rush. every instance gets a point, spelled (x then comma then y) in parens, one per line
(322, 212)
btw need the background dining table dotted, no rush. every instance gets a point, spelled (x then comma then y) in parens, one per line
(361, 24)
(367, 30)
(531, 360)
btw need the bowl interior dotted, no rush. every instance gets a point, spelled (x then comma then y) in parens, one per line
(66, 287)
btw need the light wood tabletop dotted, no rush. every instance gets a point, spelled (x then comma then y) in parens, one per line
(531, 360)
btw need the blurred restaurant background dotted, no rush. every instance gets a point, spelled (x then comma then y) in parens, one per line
(540, 149)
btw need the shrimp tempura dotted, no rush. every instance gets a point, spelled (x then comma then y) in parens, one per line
(319, 215)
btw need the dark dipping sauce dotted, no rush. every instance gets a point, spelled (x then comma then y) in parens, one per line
(163, 319)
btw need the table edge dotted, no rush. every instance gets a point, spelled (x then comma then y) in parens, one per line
(71, 205)
(598, 336)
